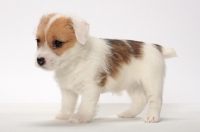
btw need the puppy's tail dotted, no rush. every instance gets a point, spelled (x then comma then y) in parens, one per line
(166, 51)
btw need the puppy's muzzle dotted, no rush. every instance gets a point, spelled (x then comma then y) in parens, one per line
(41, 61)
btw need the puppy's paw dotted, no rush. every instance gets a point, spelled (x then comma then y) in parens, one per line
(126, 114)
(79, 118)
(63, 116)
(151, 118)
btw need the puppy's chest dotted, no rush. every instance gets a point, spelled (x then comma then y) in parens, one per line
(73, 78)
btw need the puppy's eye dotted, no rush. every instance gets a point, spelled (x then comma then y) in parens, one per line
(38, 41)
(57, 44)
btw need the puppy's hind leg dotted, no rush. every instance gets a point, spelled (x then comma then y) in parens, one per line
(153, 89)
(139, 101)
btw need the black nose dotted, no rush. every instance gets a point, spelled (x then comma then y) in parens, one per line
(41, 61)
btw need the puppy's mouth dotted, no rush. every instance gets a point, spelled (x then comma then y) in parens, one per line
(44, 67)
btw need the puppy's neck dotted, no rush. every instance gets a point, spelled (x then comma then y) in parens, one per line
(78, 54)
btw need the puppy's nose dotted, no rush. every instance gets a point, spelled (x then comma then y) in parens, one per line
(41, 61)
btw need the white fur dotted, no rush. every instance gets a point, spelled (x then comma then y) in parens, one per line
(49, 56)
(77, 68)
(169, 52)
(81, 28)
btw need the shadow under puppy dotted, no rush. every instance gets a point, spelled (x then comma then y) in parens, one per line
(90, 66)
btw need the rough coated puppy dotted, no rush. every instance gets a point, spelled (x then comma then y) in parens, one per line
(90, 66)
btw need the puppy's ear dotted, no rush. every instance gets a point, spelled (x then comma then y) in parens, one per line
(81, 28)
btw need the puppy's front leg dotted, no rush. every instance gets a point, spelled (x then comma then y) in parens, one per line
(87, 107)
(69, 100)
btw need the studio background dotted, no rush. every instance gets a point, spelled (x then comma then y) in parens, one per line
(170, 23)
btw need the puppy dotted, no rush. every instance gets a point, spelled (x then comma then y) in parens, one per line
(88, 66)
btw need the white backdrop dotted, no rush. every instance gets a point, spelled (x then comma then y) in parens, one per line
(174, 23)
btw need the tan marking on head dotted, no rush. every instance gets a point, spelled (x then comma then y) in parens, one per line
(137, 48)
(120, 53)
(41, 28)
(61, 30)
(158, 47)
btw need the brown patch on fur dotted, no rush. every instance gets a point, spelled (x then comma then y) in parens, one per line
(62, 30)
(158, 47)
(41, 27)
(103, 79)
(120, 53)
(137, 48)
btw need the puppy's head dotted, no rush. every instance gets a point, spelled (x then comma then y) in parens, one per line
(56, 36)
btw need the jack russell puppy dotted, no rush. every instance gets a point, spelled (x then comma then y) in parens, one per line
(88, 66)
